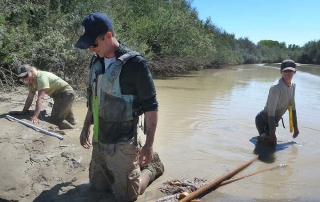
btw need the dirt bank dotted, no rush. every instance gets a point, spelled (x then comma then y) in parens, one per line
(38, 167)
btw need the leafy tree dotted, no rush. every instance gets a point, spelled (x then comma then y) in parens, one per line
(311, 52)
(271, 43)
(168, 33)
(293, 47)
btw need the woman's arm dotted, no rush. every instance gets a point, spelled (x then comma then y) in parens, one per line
(41, 94)
(28, 102)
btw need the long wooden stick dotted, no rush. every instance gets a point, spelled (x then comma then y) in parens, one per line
(254, 173)
(171, 197)
(217, 181)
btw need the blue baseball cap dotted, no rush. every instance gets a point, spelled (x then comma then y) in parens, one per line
(93, 25)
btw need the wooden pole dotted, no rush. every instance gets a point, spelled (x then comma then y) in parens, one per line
(216, 182)
(254, 173)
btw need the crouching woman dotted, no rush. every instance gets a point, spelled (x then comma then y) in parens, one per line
(50, 84)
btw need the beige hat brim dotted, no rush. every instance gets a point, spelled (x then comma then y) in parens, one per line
(23, 74)
(289, 68)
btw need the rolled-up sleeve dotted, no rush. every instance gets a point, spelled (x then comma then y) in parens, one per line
(145, 88)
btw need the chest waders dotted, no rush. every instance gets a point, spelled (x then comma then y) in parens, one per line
(95, 117)
(109, 104)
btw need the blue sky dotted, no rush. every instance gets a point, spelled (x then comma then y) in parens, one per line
(289, 21)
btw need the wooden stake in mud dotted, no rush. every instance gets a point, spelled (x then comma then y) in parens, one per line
(217, 181)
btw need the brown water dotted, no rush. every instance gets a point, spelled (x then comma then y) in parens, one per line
(206, 128)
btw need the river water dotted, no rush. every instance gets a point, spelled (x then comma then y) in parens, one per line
(206, 128)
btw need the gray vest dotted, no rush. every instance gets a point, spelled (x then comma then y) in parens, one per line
(105, 86)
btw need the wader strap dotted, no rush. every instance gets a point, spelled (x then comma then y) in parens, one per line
(92, 60)
(95, 118)
(144, 126)
(283, 123)
(125, 57)
(114, 74)
(135, 130)
(116, 70)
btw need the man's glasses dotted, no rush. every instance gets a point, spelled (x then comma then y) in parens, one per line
(95, 44)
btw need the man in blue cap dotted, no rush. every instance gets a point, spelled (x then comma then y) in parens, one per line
(120, 89)
(281, 97)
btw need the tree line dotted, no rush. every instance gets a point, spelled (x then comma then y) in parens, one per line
(168, 33)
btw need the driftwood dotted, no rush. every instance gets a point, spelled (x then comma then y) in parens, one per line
(175, 197)
(217, 181)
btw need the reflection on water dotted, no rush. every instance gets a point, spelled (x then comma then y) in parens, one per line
(266, 152)
(206, 128)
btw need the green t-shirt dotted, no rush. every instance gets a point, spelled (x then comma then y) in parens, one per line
(53, 84)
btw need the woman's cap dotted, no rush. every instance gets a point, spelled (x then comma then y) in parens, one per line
(23, 70)
(288, 65)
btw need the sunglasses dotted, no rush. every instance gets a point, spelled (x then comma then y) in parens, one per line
(95, 44)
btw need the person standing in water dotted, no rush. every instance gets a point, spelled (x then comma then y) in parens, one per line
(52, 85)
(281, 97)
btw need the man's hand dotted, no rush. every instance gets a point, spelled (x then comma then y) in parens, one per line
(34, 119)
(145, 155)
(272, 139)
(85, 139)
(295, 133)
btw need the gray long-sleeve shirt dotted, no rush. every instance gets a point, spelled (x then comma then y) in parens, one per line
(279, 99)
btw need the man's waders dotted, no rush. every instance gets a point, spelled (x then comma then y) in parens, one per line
(95, 117)
(96, 100)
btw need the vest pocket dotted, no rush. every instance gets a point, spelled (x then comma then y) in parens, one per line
(113, 108)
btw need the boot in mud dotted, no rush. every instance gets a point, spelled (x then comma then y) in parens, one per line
(155, 167)
(65, 125)
(70, 118)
